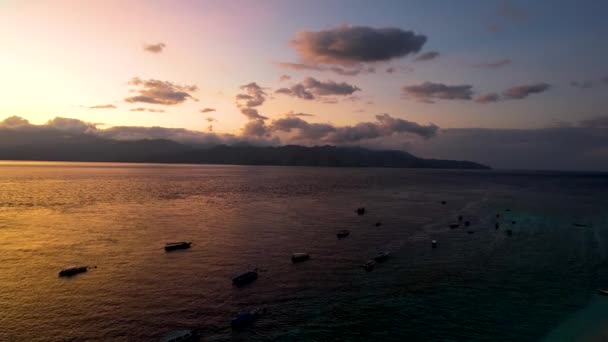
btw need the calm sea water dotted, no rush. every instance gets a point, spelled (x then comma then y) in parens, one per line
(538, 284)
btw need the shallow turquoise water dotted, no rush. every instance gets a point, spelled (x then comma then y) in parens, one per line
(538, 284)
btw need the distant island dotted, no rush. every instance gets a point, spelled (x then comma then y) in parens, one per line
(62, 146)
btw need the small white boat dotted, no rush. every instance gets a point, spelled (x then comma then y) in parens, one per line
(185, 335)
(603, 292)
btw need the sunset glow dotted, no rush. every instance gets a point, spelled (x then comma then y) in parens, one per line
(75, 59)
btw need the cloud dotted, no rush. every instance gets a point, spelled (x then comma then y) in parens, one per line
(181, 135)
(256, 128)
(427, 56)
(350, 45)
(384, 126)
(291, 113)
(311, 88)
(506, 13)
(523, 91)
(512, 12)
(252, 114)
(488, 98)
(154, 48)
(160, 92)
(71, 125)
(297, 90)
(142, 109)
(336, 69)
(255, 95)
(106, 106)
(555, 148)
(14, 122)
(207, 110)
(597, 122)
(428, 92)
(403, 69)
(284, 78)
(493, 64)
(582, 85)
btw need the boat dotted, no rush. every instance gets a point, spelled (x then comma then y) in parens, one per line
(460, 218)
(471, 232)
(509, 232)
(580, 225)
(378, 224)
(247, 317)
(454, 226)
(184, 335)
(434, 243)
(444, 202)
(73, 270)
(360, 211)
(343, 233)
(603, 292)
(467, 223)
(299, 257)
(172, 246)
(382, 257)
(497, 225)
(245, 278)
(369, 265)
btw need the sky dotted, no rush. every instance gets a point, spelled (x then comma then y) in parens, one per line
(469, 79)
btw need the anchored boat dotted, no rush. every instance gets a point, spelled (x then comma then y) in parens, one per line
(73, 270)
(382, 257)
(172, 246)
(369, 265)
(299, 257)
(343, 233)
(245, 278)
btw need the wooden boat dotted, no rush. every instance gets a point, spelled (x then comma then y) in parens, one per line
(299, 257)
(245, 278)
(369, 265)
(382, 257)
(73, 270)
(172, 246)
(343, 233)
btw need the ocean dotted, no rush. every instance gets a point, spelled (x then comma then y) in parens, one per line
(479, 284)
